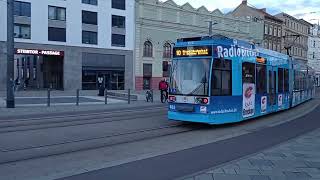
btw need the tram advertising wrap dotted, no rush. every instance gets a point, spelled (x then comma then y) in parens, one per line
(263, 104)
(248, 99)
(219, 80)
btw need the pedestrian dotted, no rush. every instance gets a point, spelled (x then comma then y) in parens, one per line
(163, 87)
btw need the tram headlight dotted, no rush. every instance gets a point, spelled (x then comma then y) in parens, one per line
(201, 100)
(205, 100)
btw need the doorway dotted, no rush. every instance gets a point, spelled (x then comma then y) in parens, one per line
(52, 68)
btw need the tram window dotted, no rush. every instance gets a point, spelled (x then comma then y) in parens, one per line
(270, 82)
(296, 80)
(248, 72)
(280, 80)
(221, 78)
(286, 80)
(261, 79)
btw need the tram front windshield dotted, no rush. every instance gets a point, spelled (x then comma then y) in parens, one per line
(190, 77)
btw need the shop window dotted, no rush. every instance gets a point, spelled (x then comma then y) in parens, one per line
(22, 8)
(57, 13)
(261, 79)
(57, 34)
(221, 81)
(147, 49)
(89, 17)
(22, 31)
(118, 40)
(167, 50)
(89, 37)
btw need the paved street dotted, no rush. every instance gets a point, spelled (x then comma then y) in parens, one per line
(171, 166)
(136, 143)
(298, 159)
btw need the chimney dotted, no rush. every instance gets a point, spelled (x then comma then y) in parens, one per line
(264, 9)
(244, 2)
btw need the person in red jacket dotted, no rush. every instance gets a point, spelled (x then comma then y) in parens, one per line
(163, 87)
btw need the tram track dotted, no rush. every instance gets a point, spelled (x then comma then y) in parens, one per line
(80, 114)
(74, 121)
(70, 146)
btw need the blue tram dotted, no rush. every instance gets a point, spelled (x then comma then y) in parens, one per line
(218, 80)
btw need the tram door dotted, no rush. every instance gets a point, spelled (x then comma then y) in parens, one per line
(272, 91)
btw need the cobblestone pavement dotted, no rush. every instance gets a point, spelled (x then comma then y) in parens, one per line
(298, 159)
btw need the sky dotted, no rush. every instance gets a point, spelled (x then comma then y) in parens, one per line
(306, 9)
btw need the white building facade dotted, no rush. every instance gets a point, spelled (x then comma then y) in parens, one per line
(314, 48)
(69, 44)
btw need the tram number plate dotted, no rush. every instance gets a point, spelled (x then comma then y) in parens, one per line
(185, 108)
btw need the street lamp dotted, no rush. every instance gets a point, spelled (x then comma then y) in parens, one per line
(10, 55)
(211, 23)
(288, 48)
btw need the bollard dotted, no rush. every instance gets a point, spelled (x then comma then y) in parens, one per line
(77, 99)
(48, 100)
(129, 96)
(151, 95)
(106, 96)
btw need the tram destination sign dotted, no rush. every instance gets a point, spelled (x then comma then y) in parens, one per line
(39, 52)
(191, 51)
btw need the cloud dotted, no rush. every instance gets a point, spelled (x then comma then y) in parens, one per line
(298, 8)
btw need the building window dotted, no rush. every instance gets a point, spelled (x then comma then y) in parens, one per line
(89, 17)
(275, 31)
(22, 8)
(118, 40)
(166, 69)
(279, 32)
(266, 29)
(89, 37)
(221, 81)
(270, 30)
(22, 31)
(119, 4)
(266, 44)
(314, 43)
(166, 50)
(118, 21)
(57, 13)
(57, 34)
(92, 2)
(147, 49)
(270, 45)
(313, 55)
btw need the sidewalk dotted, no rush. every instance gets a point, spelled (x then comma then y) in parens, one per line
(298, 159)
(20, 111)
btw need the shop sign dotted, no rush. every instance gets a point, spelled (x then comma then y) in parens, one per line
(248, 103)
(39, 52)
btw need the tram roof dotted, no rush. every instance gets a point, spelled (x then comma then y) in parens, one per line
(271, 53)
